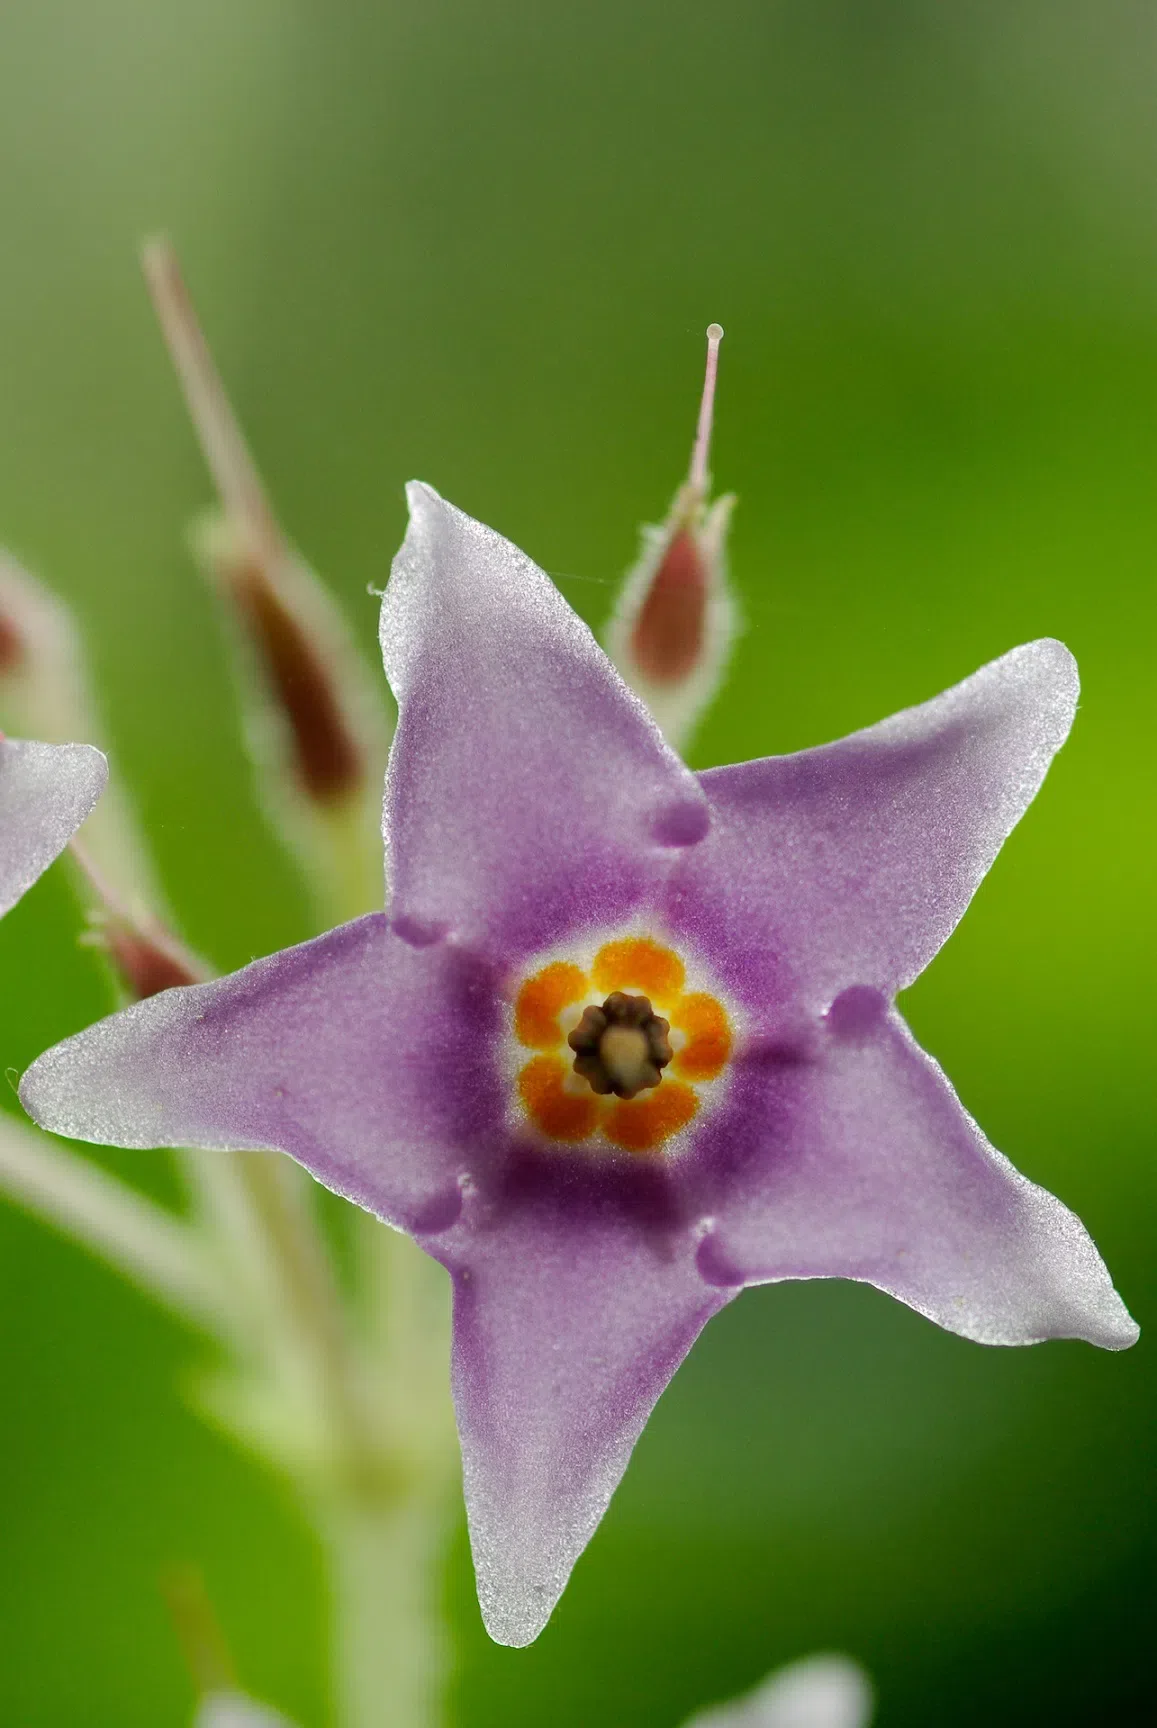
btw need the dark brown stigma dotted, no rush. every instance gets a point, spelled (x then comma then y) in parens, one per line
(621, 1047)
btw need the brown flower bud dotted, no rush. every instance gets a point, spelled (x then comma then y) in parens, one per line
(319, 728)
(674, 620)
(146, 958)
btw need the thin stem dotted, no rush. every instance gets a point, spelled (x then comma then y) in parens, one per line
(313, 1302)
(158, 1253)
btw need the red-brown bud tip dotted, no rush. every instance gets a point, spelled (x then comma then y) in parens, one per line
(674, 620)
(324, 754)
(145, 963)
(145, 956)
(667, 638)
(11, 646)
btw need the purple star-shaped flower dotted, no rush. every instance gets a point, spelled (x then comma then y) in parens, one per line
(46, 791)
(721, 951)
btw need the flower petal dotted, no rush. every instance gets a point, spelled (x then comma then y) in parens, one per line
(529, 793)
(878, 1173)
(46, 791)
(567, 1327)
(819, 1692)
(362, 1057)
(853, 863)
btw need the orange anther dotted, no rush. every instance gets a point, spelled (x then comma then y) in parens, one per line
(541, 1000)
(640, 963)
(641, 1124)
(561, 1114)
(708, 1034)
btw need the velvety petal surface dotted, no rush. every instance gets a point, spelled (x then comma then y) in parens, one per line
(46, 791)
(876, 1172)
(567, 1327)
(819, 1692)
(362, 1057)
(852, 863)
(529, 793)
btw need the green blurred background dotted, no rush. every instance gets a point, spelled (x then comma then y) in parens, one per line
(480, 243)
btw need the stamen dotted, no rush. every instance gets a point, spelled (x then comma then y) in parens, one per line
(697, 478)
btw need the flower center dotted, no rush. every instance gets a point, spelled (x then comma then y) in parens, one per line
(649, 1020)
(621, 1047)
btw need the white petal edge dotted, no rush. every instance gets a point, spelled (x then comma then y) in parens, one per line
(817, 1692)
(46, 791)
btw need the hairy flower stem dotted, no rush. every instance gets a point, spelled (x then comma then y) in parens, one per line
(344, 873)
(305, 1283)
(390, 1656)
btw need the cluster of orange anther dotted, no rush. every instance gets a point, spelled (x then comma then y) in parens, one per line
(559, 1103)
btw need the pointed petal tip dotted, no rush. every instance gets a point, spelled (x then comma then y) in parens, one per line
(41, 1088)
(92, 766)
(515, 1616)
(1047, 668)
(1118, 1329)
(419, 493)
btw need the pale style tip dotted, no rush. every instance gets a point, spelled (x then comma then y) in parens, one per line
(702, 447)
(218, 432)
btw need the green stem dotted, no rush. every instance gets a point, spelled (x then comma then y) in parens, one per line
(390, 1652)
(157, 1252)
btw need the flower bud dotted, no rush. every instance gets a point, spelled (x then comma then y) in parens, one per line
(674, 621)
(45, 693)
(316, 724)
(221, 1703)
(145, 956)
(236, 1710)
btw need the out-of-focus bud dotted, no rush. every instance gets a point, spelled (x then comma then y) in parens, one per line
(222, 1702)
(673, 624)
(45, 693)
(819, 1692)
(235, 1710)
(318, 725)
(145, 956)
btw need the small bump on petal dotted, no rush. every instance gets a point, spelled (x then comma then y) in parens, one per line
(682, 824)
(441, 1212)
(714, 1265)
(418, 932)
(857, 1012)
